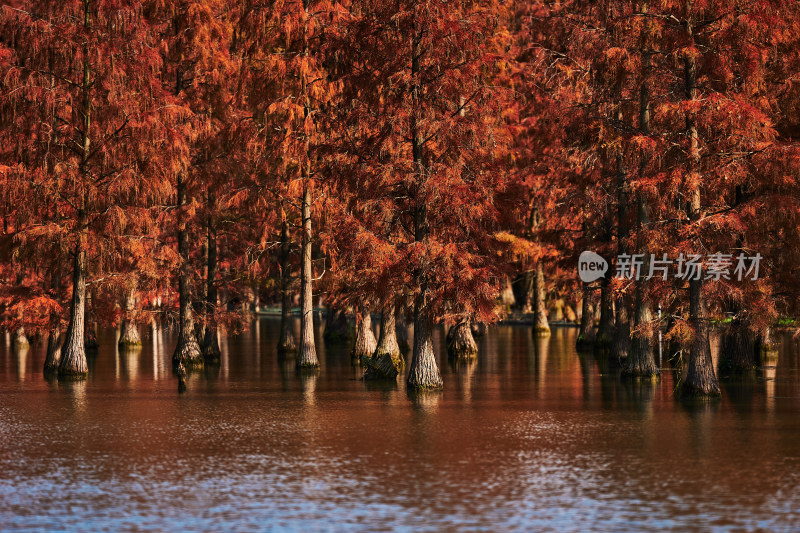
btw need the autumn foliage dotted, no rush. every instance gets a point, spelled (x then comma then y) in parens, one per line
(185, 162)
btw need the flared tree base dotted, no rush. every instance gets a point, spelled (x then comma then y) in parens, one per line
(640, 363)
(738, 351)
(381, 367)
(53, 357)
(211, 351)
(73, 362)
(307, 358)
(129, 335)
(188, 354)
(460, 342)
(287, 346)
(424, 375)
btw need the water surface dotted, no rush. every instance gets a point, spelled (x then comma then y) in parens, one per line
(531, 437)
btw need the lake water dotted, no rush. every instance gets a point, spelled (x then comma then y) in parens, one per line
(532, 437)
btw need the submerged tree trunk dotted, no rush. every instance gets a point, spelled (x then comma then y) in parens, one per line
(738, 347)
(188, 350)
(541, 327)
(423, 372)
(381, 367)
(90, 336)
(766, 343)
(211, 351)
(605, 330)
(73, 354)
(640, 361)
(20, 339)
(53, 357)
(586, 332)
(528, 281)
(129, 333)
(286, 344)
(337, 326)
(307, 355)
(387, 341)
(460, 342)
(507, 298)
(699, 379)
(365, 339)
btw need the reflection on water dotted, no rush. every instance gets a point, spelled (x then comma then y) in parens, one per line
(531, 436)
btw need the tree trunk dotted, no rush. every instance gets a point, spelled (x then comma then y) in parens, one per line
(20, 339)
(129, 333)
(528, 282)
(381, 367)
(738, 348)
(286, 344)
(460, 343)
(541, 327)
(699, 380)
(586, 332)
(188, 350)
(423, 372)
(53, 357)
(90, 336)
(73, 354)
(507, 295)
(405, 333)
(211, 351)
(605, 330)
(766, 343)
(387, 341)
(307, 356)
(365, 339)
(337, 327)
(620, 345)
(640, 361)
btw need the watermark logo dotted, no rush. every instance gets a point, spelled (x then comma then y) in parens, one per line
(714, 267)
(591, 267)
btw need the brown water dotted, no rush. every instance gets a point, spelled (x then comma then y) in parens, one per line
(532, 437)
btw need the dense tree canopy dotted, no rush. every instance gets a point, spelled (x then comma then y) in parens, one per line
(445, 162)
